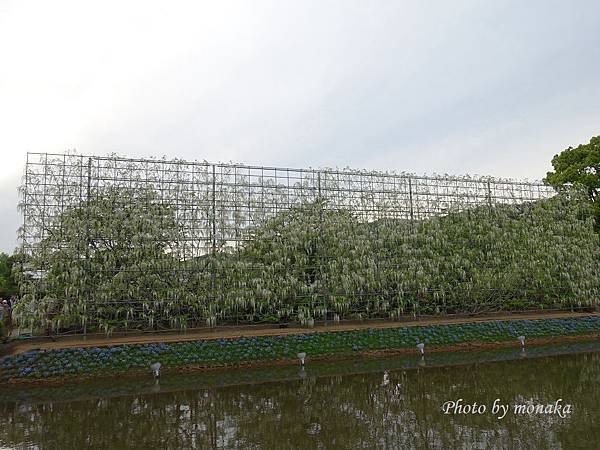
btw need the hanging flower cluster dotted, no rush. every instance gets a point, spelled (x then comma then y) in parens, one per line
(119, 261)
(318, 263)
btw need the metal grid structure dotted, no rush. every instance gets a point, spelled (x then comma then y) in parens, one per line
(217, 206)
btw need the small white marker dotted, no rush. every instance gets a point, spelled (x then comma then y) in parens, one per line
(301, 357)
(155, 367)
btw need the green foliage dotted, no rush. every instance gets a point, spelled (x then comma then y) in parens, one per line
(115, 263)
(8, 285)
(297, 258)
(313, 262)
(579, 165)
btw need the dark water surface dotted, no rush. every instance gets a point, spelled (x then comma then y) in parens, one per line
(377, 403)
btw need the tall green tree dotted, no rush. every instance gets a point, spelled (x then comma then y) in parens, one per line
(8, 286)
(579, 165)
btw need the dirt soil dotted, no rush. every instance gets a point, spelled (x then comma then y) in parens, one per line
(79, 341)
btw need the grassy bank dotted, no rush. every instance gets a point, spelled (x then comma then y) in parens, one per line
(209, 353)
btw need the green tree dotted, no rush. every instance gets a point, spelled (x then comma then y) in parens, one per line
(579, 165)
(8, 286)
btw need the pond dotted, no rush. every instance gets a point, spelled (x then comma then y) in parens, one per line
(363, 403)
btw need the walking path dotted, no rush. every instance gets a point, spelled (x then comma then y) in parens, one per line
(249, 331)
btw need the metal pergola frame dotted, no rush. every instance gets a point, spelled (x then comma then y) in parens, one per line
(218, 205)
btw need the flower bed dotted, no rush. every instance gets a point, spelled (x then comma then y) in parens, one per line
(126, 358)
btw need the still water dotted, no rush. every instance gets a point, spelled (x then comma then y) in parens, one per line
(377, 403)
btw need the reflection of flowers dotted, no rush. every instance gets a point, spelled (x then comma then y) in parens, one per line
(386, 378)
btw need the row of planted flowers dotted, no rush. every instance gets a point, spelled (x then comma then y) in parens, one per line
(38, 364)
(106, 387)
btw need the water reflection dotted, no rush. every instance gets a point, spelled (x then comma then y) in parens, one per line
(393, 403)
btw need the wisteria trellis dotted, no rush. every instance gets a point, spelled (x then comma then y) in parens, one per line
(117, 243)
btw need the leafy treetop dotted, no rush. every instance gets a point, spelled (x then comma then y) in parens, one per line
(579, 165)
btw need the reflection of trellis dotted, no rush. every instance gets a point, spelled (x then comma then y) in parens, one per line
(218, 204)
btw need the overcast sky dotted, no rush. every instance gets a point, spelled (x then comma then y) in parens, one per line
(492, 88)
